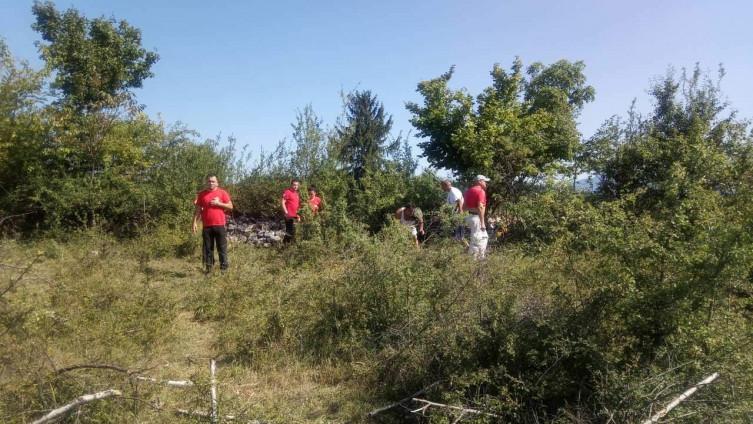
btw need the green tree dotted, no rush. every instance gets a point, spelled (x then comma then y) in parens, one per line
(94, 142)
(21, 126)
(689, 139)
(96, 62)
(364, 136)
(514, 131)
(310, 140)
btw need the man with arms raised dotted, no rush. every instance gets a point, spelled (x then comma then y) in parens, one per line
(475, 205)
(210, 206)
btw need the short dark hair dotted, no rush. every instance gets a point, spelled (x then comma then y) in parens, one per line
(210, 175)
(295, 180)
(312, 187)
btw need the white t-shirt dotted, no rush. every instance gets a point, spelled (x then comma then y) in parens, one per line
(453, 196)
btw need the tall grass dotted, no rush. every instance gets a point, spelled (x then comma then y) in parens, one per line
(325, 332)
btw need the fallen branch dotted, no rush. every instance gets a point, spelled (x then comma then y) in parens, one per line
(171, 383)
(457, 408)
(55, 413)
(93, 366)
(213, 392)
(460, 417)
(708, 380)
(401, 401)
(7, 217)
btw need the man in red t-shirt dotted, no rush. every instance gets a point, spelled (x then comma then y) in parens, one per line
(474, 202)
(210, 206)
(290, 204)
(315, 202)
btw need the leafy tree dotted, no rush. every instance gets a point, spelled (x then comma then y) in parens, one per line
(515, 130)
(91, 158)
(310, 143)
(96, 62)
(364, 135)
(688, 140)
(21, 125)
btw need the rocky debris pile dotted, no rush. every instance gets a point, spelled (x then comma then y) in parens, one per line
(260, 233)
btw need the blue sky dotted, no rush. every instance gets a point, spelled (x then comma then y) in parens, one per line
(244, 68)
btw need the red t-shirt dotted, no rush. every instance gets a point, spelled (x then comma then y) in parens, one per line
(314, 203)
(292, 202)
(473, 196)
(212, 216)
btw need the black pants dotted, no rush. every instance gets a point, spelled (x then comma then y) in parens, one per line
(211, 236)
(289, 230)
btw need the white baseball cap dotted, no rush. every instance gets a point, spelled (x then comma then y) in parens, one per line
(480, 177)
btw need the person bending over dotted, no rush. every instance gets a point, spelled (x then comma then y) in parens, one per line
(413, 218)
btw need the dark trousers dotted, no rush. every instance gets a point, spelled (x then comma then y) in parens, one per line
(289, 230)
(211, 236)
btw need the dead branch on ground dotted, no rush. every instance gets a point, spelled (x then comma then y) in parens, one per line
(401, 401)
(213, 390)
(463, 410)
(676, 401)
(55, 413)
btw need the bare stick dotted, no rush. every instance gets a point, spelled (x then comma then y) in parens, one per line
(460, 417)
(457, 408)
(55, 413)
(5, 218)
(171, 383)
(708, 380)
(422, 410)
(401, 401)
(95, 366)
(15, 281)
(212, 371)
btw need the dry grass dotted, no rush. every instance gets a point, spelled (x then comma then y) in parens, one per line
(276, 388)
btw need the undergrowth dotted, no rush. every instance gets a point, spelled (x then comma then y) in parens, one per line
(325, 332)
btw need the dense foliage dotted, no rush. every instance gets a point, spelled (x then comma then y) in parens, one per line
(596, 306)
(515, 131)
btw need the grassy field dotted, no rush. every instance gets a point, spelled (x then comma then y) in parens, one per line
(323, 333)
(97, 302)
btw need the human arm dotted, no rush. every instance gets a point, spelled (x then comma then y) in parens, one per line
(196, 217)
(482, 215)
(284, 208)
(459, 204)
(228, 206)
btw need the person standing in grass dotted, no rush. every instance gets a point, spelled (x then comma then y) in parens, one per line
(475, 205)
(290, 203)
(413, 218)
(455, 199)
(315, 202)
(211, 204)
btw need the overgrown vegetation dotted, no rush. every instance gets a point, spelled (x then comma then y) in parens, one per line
(592, 306)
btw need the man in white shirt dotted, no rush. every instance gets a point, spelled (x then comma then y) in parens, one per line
(454, 198)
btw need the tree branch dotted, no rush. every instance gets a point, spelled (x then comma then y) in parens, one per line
(93, 366)
(55, 413)
(463, 410)
(401, 401)
(658, 416)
